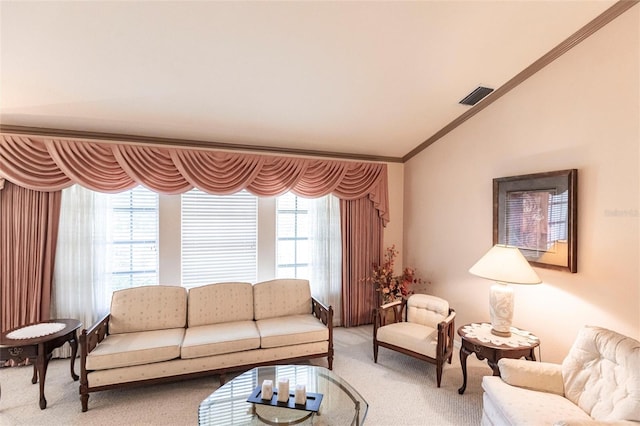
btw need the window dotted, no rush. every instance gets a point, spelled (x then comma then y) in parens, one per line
(292, 241)
(219, 238)
(132, 238)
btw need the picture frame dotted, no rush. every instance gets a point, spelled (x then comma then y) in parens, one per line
(538, 214)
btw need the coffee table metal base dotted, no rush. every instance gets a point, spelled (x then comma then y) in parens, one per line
(280, 416)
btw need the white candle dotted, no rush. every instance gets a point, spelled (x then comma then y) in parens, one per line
(267, 389)
(283, 390)
(301, 395)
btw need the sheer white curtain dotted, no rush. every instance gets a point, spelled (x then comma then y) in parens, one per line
(325, 260)
(79, 287)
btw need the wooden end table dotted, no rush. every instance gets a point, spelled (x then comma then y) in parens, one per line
(38, 349)
(477, 339)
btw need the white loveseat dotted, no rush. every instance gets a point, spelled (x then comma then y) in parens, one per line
(162, 333)
(598, 383)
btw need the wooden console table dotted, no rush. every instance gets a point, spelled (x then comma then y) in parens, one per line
(477, 339)
(18, 346)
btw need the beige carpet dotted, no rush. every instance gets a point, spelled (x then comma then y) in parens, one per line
(400, 391)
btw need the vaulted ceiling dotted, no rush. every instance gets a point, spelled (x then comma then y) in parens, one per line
(355, 78)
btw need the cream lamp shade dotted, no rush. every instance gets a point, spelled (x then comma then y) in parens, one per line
(505, 265)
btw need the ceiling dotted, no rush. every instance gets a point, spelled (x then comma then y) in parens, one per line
(365, 78)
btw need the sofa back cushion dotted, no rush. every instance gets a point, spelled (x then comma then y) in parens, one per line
(282, 297)
(145, 308)
(220, 302)
(426, 310)
(601, 374)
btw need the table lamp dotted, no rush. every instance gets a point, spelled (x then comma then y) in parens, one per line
(505, 265)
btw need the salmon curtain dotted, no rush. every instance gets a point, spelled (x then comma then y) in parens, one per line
(28, 235)
(361, 248)
(51, 164)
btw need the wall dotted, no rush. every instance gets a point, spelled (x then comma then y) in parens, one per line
(582, 111)
(393, 231)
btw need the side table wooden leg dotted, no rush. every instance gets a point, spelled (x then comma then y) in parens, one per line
(532, 355)
(34, 378)
(464, 353)
(41, 363)
(494, 367)
(73, 342)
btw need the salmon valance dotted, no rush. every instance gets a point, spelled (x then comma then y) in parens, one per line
(48, 164)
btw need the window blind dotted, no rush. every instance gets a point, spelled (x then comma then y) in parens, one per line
(219, 238)
(132, 238)
(292, 234)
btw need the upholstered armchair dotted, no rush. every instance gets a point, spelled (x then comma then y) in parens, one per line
(598, 383)
(421, 326)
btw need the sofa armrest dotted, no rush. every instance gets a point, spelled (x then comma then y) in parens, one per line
(325, 314)
(89, 339)
(388, 313)
(446, 330)
(537, 376)
(322, 312)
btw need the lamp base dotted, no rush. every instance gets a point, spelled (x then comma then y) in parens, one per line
(500, 333)
(501, 309)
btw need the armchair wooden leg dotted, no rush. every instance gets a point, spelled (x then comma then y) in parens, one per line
(375, 352)
(439, 373)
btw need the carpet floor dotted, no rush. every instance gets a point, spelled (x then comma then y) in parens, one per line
(400, 390)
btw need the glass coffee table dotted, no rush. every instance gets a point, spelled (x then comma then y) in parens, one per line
(341, 403)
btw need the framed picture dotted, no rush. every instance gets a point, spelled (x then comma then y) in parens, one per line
(538, 214)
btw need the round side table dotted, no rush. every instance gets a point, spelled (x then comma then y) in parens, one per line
(38, 347)
(477, 339)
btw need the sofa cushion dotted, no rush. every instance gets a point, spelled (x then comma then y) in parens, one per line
(146, 308)
(220, 302)
(426, 309)
(519, 406)
(144, 347)
(291, 330)
(602, 374)
(282, 297)
(216, 339)
(415, 337)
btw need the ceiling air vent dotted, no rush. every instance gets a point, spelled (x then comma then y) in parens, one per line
(476, 96)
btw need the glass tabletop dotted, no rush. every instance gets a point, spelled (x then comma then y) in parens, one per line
(227, 405)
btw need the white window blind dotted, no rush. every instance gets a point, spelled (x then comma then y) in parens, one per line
(132, 238)
(219, 238)
(292, 237)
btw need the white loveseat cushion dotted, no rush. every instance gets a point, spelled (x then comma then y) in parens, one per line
(146, 308)
(220, 302)
(291, 330)
(413, 336)
(602, 374)
(518, 406)
(216, 339)
(282, 297)
(127, 349)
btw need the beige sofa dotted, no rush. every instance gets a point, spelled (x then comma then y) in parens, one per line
(163, 333)
(598, 383)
